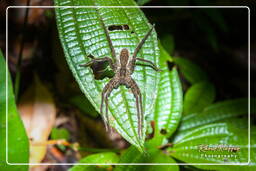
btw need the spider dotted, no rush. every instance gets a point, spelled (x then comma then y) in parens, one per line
(123, 67)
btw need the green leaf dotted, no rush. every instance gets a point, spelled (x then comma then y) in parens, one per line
(18, 147)
(192, 72)
(168, 107)
(214, 113)
(142, 2)
(198, 96)
(188, 147)
(106, 158)
(84, 105)
(168, 43)
(81, 31)
(169, 102)
(60, 133)
(132, 155)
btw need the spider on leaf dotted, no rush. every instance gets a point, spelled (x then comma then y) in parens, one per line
(123, 67)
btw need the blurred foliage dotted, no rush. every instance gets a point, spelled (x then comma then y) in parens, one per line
(106, 157)
(60, 133)
(168, 43)
(191, 72)
(198, 96)
(18, 146)
(84, 105)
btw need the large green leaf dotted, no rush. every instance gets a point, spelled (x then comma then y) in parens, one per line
(214, 113)
(105, 158)
(81, 31)
(228, 134)
(132, 155)
(18, 147)
(198, 96)
(169, 102)
(168, 107)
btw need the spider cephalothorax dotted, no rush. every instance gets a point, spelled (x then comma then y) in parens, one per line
(123, 67)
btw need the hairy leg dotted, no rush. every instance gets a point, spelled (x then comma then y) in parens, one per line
(106, 113)
(136, 92)
(104, 98)
(105, 117)
(137, 49)
(150, 64)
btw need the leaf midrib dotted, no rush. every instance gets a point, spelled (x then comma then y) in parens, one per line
(121, 126)
(96, 85)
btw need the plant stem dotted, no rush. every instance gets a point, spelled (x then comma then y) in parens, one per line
(18, 66)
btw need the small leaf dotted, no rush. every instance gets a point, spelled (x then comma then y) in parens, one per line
(18, 146)
(198, 96)
(84, 105)
(104, 158)
(168, 43)
(215, 112)
(191, 147)
(132, 155)
(192, 72)
(81, 31)
(168, 107)
(38, 112)
(59, 133)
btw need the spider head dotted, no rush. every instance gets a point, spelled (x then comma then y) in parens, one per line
(124, 57)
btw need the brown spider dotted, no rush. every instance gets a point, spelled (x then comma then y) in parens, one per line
(123, 67)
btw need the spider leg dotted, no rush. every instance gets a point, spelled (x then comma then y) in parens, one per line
(113, 53)
(104, 98)
(151, 64)
(88, 64)
(137, 94)
(105, 118)
(106, 113)
(91, 56)
(142, 41)
(137, 49)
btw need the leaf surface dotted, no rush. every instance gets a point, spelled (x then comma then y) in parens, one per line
(215, 112)
(18, 147)
(198, 96)
(132, 155)
(168, 107)
(192, 72)
(107, 157)
(81, 31)
(193, 146)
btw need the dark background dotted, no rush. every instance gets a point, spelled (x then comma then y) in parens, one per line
(219, 46)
